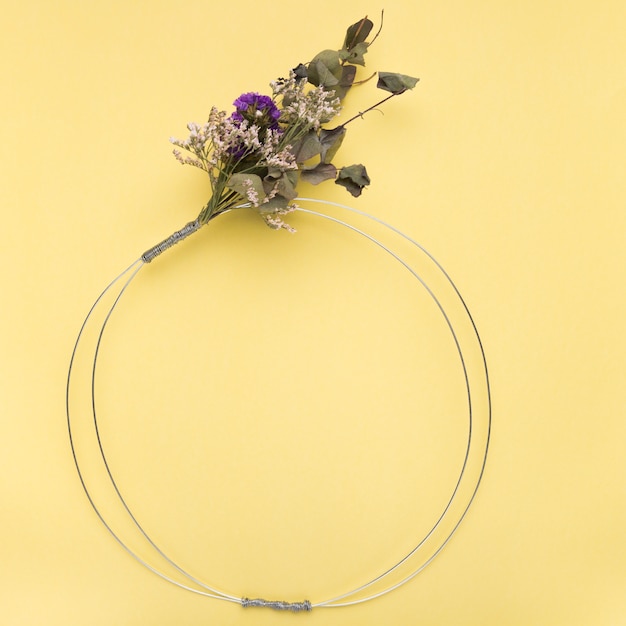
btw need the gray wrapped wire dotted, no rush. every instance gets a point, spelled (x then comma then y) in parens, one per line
(277, 605)
(170, 241)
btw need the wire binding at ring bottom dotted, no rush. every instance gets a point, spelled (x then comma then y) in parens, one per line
(278, 605)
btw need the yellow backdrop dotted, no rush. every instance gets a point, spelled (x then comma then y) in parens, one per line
(260, 388)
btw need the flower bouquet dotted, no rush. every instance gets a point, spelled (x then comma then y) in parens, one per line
(256, 155)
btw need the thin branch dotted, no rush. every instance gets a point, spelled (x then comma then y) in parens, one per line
(365, 80)
(374, 106)
(382, 15)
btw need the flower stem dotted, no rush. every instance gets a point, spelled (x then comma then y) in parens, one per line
(374, 106)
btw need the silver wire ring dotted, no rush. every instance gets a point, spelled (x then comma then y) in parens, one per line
(355, 595)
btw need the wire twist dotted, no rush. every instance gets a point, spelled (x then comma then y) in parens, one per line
(172, 240)
(277, 605)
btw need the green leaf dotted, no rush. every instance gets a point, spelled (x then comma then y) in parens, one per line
(307, 147)
(290, 180)
(273, 173)
(275, 204)
(354, 55)
(325, 69)
(354, 178)
(320, 173)
(239, 184)
(395, 83)
(283, 185)
(300, 71)
(357, 33)
(330, 141)
(345, 82)
(325, 76)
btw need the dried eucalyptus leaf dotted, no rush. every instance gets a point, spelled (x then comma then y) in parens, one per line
(283, 184)
(320, 173)
(273, 173)
(395, 83)
(308, 147)
(354, 178)
(300, 71)
(325, 69)
(287, 185)
(330, 141)
(357, 33)
(345, 82)
(277, 203)
(327, 79)
(354, 55)
(239, 183)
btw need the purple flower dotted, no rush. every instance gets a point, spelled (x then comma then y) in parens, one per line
(256, 109)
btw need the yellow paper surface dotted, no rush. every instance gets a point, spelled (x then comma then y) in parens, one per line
(284, 412)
